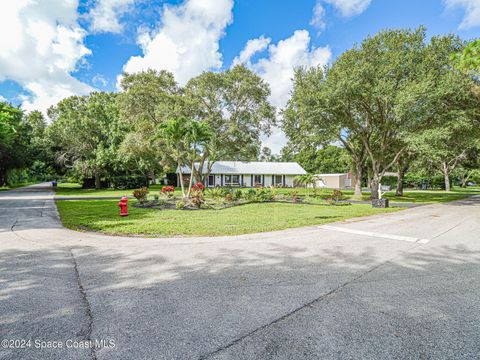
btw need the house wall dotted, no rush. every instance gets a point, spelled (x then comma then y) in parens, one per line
(331, 182)
(289, 180)
(268, 180)
(247, 180)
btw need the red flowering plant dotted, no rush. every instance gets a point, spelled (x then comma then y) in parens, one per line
(198, 187)
(168, 190)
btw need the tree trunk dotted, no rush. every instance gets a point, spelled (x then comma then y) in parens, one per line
(401, 175)
(358, 181)
(3, 176)
(182, 185)
(98, 184)
(374, 183)
(446, 175)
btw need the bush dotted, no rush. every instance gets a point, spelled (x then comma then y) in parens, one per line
(263, 194)
(198, 187)
(180, 204)
(229, 197)
(168, 191)
(197, 198)
(215, 193)
(294, 195)
(250, 194)
(337, 195)
(141, 194)
(127, 182)
(238, 194)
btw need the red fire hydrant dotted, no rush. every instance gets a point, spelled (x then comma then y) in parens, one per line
(123, 204)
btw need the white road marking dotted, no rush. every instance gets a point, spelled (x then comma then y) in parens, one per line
(373, 234)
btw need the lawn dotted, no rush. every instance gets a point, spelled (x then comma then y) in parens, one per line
(103, 215)
(413, 196)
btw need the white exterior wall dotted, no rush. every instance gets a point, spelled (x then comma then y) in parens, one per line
(247, 180)
(289, 179)
(218, 180)
(268, 180)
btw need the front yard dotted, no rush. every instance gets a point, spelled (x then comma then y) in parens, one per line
(103, 215)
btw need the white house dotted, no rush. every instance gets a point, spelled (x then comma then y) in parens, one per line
(249, 174)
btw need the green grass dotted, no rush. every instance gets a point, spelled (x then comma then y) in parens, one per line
(414, 196)
(103, 215)
(75, 190)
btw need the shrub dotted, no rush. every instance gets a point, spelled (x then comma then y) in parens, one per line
(215, 193)
(127, 182)
(180, 204)
(198, 187)
(250, 194)
(294, 195)
(229, 197)
(262, 194)
(336, 195)
(273, 191)
(168, 191)
(238, 194)
(141, 194)
(155, 197)
(197, 198)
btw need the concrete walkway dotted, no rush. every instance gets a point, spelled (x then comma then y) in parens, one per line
(395, 286)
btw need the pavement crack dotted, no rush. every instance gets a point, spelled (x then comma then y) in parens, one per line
(86, 305)
(298, 309)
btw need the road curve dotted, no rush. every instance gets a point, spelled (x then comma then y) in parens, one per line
(399, 286)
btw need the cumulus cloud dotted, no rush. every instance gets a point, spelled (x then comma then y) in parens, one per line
(277, 69)
(187, 40)
(349, 8)
(472, 12)
(44, 45)
(105, 15)
(252, 47)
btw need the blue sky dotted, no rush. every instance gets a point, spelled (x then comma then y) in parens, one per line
(57, 48)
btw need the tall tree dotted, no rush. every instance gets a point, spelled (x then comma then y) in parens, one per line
(310, 123)
(234, 104)
(13, 140)
(85, 134)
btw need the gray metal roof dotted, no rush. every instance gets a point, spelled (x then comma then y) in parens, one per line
(252, 167)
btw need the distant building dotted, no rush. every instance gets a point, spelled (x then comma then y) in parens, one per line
(335, 181)
(249, 174)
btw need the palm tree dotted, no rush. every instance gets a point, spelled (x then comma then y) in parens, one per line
(198, 134)
(173, 134)
(308, 179)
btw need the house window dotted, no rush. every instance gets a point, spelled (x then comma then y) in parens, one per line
(211, 180)
(232, 180)
(278, 180)
(257, 180)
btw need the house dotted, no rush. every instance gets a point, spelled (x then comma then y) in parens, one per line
(335, 181)
(249, 174)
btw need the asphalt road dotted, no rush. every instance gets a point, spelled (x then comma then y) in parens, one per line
(397, 286)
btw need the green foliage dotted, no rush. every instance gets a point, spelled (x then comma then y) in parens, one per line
(127, 181)
(215, 193)
(141, 194)
(180, 204)
(328, 159)
(469, 59)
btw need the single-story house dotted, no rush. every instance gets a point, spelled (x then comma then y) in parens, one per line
(335, 181)
(249, 174)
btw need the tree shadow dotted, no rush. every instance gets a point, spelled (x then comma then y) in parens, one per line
(267, 301)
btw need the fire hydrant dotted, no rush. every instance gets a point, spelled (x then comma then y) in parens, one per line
(123, 204)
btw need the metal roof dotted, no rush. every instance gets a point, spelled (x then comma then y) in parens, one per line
(252, 167)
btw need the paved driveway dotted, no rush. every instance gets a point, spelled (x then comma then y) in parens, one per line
(397, 286)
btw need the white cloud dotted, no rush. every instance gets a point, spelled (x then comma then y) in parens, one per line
(3, 99)
(99, 80)
(472, 12)
(277, 69)
(43, 46)
(252, 47)
(349, 8)
(318, 17)
(105, 15)
(187, 41)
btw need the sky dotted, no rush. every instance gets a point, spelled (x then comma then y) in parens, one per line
(51, 49)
